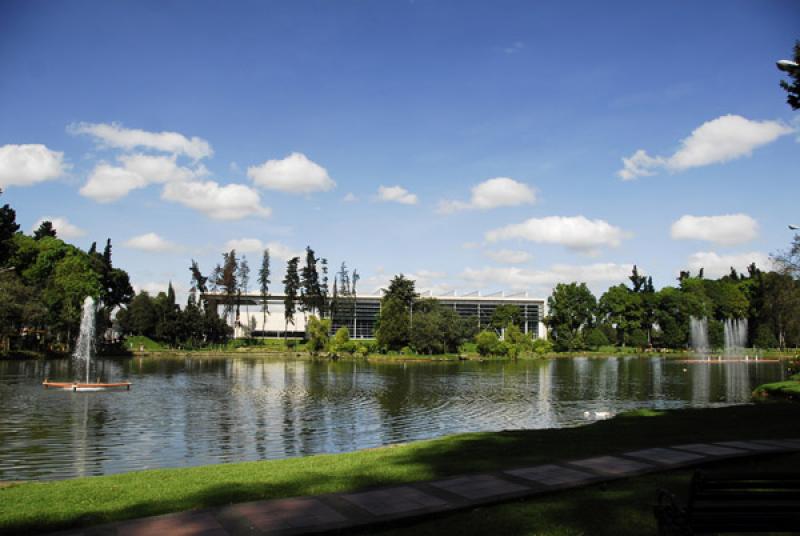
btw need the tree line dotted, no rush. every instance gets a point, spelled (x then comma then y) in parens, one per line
(637, 315)
(43, 283)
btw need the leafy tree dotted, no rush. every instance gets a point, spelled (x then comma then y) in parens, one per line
(622, 308)
(571, 308)
(505, 315)
(317, 333)
(792, 87)
(392, 332)
(291, 285)
(45, 229)
(402, 288)
(199, 281)
(263, 286)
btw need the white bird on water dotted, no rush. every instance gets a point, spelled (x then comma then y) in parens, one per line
(597, 414)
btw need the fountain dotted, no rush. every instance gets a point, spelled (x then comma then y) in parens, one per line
(84, 348)
(85, 345)
(735, 330)
(698, 332)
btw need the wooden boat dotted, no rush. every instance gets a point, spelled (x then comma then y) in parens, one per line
(75, 386)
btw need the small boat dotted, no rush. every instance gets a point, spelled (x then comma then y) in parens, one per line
(82, 387)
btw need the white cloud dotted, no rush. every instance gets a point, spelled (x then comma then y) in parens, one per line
(108, 183)
(493, 193)
(396, 194)
(523, 279)
(64, 229)
(115, 135)
(229, 202)
(295, 174)
(715, 265)
(722, 139)
(150, 242)
(350, 198)
(277, 250)
(508, 256)
(160, 169)
(577, 232)
(729, 229)
(25, 165)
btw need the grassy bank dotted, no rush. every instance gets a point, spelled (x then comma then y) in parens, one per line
(620, 507)
(38, 506)
(789, 389)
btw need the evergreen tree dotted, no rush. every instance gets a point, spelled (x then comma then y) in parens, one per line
(8, 227)
(311, 292)
(793, 88)
(263, 285)
(291, 284)
(45, 229)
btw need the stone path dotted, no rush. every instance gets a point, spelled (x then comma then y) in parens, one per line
(308, 515)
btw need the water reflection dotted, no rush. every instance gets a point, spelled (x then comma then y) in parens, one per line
(197, 411)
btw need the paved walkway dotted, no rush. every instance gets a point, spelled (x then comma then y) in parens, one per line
(307, 515)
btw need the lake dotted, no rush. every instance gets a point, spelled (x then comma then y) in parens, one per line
(195, 411)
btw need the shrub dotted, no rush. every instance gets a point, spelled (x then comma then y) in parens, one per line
(487, 343)
(596, 338)
(542, 346)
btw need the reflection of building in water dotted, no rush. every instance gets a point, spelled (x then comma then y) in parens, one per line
(607, 384)
(367, 307)
(545, 394)
(656, 378)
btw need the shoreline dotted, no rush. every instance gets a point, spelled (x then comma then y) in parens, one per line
(37, 506)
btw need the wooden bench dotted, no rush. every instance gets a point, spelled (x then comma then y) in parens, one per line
(733, 502)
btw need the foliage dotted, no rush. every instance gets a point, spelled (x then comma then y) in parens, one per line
(595, 338)
(393, 327)
(792, 88)
(487, 343)
(263, 286)
(291, 286)
(506, 315)
(341, 343)
(317, 334)
(571, 308)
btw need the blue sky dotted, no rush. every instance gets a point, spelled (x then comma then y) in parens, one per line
(294, 123)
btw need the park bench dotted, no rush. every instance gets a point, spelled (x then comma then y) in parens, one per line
(733, 502)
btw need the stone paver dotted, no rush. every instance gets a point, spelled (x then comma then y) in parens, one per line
(612, 465)
(479, 486)
(397, 500)
(749, 445)
(552, 475)
(183, 524)
(285, 514)
(302, 515)
(710, 450)
(665, 456)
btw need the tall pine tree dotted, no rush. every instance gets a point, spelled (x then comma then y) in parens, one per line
(291, 284)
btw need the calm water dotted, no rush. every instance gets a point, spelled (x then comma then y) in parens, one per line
(184, 412)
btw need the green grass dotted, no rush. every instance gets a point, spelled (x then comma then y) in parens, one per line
(619, 507)
(38, 506)
(137, 342)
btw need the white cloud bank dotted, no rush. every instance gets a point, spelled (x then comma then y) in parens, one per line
(508, 256)
(116, 136)
(493, 193)
(522, 279)
(228, 202)
(108, 183)
(722, 139)
(726, 230)
(715, 265)
(25, 165)
(396, 194)
(576, 232)
(150, 242)
(295, 174)
(64, 229)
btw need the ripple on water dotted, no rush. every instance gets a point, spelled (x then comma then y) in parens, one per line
(190, 412)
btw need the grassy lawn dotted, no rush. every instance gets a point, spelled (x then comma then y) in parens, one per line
(785, 389)
(37, 506)
(620, 507)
